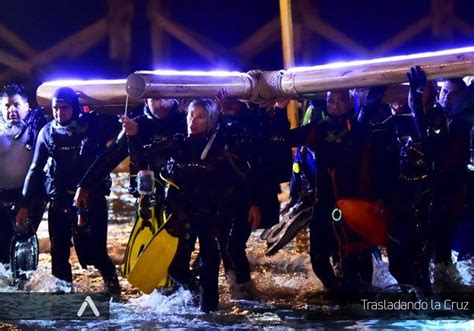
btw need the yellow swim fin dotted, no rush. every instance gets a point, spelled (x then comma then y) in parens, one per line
(146, 225)
(151, 268)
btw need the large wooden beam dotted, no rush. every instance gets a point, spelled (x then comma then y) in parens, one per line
(199, 44)
(120, 32)
(442, 12)
(288, 52)
(390, 70)
(301, 82)
(286, 19)
(403, 36)
(14, 40)
(187, 84)
(463, 26)
(74, 45)
(14, 62)
(330, 33)
(310, 42)
(259, 40)
(159, 39)
(108, 93)
(325, 30)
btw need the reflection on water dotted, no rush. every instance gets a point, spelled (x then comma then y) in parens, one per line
(157, 311)
(287, 290)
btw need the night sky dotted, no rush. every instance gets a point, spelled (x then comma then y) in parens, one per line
(227, 23)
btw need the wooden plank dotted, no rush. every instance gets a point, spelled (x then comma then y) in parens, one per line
(463, 26)
(159, 40)
(14, 62)
(310, 42)
(187, 84)
(303, 81)
(310, 45)
(327, 31)
(8, 74)
(74, 45)
(391, 70)
(442, 13)
(199, 44)
(286, 21)
(259, 40)
(120, 32)
(288, 53)
(14, 40)
(403, 36)
(95, 93)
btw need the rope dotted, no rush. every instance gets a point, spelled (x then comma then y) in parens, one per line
(126, 106)
(267, 87)
(169, 182)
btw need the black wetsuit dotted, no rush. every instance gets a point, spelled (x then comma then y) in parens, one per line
(207, 184)
(274, 164)
(261, 158)
(71, 150)
(242, 145)
(402, 182)
(153, 139)
(342, 152)
(449, 138)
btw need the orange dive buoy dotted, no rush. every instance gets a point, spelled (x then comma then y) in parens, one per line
(360, 216)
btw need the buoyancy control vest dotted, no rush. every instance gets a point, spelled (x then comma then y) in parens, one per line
(72, 150)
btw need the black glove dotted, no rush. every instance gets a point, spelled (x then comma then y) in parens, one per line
(375, 94)
(417, 78)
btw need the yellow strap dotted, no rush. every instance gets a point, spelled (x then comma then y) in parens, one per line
(169, 182)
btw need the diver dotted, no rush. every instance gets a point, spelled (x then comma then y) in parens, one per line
(198, 175)
(448, 126)
(402, 180)
(71, 142)
(254, 140)
(151, 132)
(297, 213)
(343, 159)
(19, 128)
(239, 126)
(159, 121)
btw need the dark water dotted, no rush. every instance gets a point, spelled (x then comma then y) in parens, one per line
(153, 312)
(156, 311)
(288, 293)
(288, 298)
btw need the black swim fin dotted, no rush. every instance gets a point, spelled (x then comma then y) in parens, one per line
(24, 255)
(292, 222)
